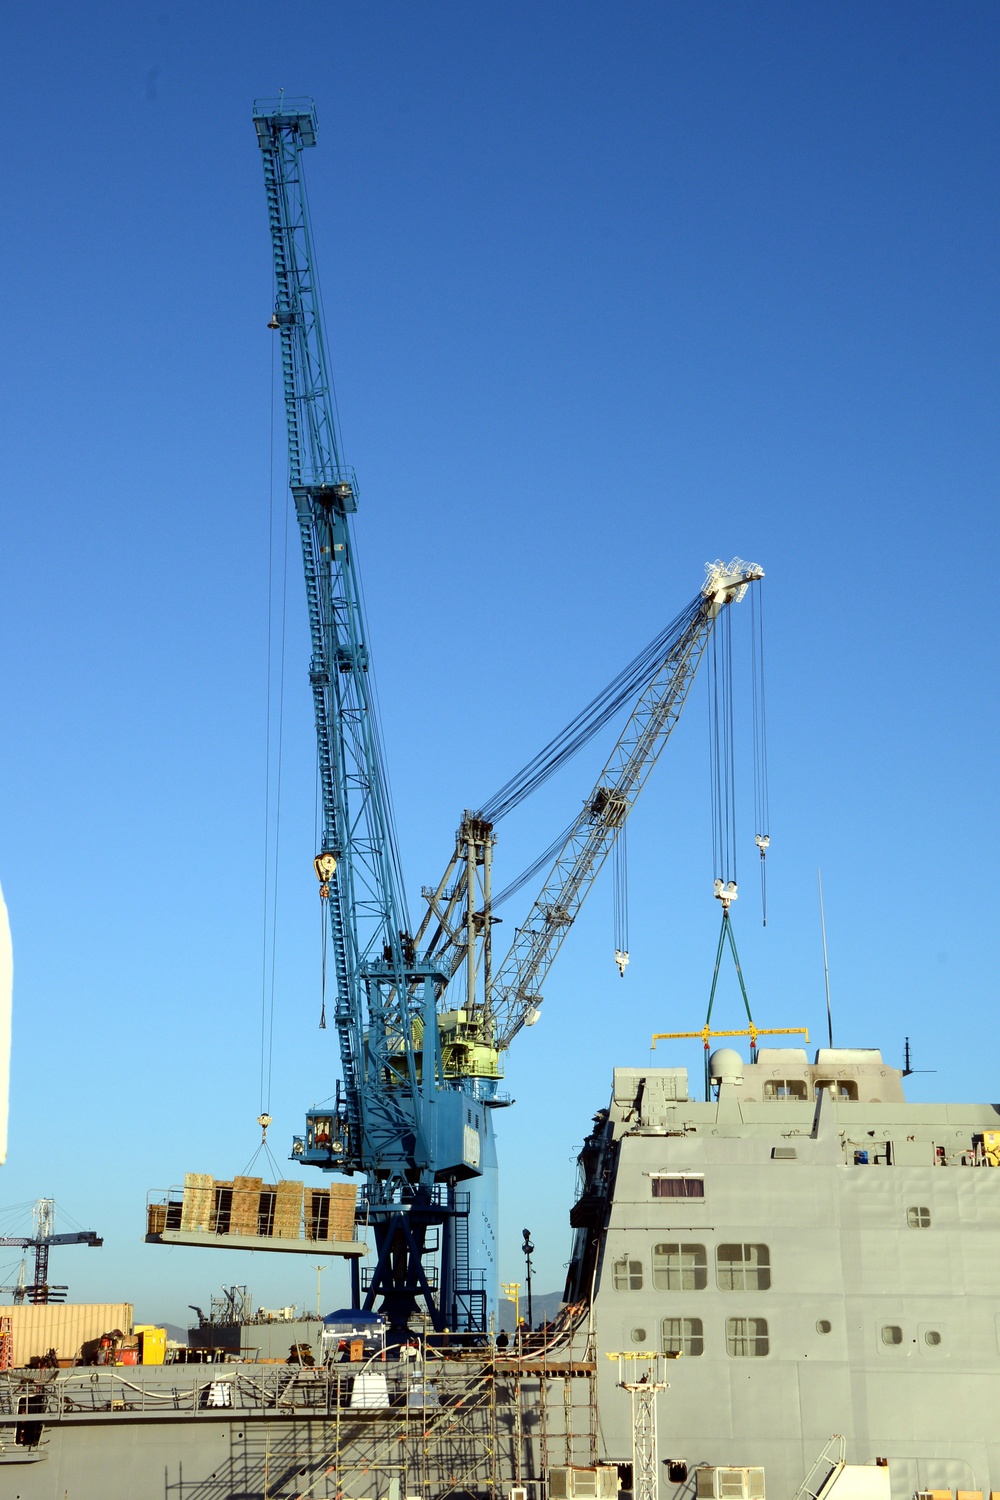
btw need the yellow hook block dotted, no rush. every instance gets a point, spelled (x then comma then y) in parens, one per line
(324, 865)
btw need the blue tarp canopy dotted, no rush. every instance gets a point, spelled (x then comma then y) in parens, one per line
(353, 1317)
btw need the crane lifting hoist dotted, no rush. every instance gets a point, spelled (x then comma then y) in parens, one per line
(419, 1072)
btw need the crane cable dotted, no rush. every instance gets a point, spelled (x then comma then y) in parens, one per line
(721, 757)
(273, 746)
(620, 872)
(722, 769)
(761, 797)
(621, 690)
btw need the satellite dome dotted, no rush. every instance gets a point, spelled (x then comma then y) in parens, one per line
(725, 1066)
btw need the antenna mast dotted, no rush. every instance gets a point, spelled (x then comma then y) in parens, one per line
(826, 966)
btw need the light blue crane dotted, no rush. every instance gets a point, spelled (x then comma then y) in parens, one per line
(420, 1069)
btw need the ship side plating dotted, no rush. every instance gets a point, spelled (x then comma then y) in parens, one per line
(822, 1254)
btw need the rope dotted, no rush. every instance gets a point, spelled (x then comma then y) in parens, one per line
(720, 746)
(323, 930)
(623, 689)
(272, 775)
(620, 872)
(761, 795)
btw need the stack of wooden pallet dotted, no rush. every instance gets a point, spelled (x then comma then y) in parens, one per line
(251, 1207)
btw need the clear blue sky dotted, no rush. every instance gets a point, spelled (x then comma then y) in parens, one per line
(612, 290)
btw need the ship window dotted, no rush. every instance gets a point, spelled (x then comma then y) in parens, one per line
(932, 1337)
(627, 1275)
(679, 1268)
(638, 1335)
(743, 1268)
(844, 1088)
(823, 1325)
(918, 1218)
(665, 1186)
(683, 1336)
(892, 1334)
(747, 1337)
(785, 1088)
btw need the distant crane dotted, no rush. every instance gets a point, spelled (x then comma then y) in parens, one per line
(420, 1069)
(41, 1241)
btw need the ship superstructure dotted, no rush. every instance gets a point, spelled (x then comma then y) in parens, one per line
(819, 1252)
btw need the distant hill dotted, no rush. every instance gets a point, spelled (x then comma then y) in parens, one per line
(543, 1305)
(174, 1331)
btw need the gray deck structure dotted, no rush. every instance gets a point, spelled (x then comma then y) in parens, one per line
(825, 1256)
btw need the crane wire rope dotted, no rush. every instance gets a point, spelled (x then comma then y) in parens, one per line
(761, 794)
(378, 731)
(273, 730)
(721, 756)
(621, 690)
(620, 872)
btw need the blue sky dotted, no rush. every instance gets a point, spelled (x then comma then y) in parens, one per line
(611, 291)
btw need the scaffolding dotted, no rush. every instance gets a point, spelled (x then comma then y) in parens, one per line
(438, 1424)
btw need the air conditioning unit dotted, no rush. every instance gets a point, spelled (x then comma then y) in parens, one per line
(718, 1483)
(578, 1482)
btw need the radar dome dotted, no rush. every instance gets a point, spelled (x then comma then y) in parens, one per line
(725, 1066)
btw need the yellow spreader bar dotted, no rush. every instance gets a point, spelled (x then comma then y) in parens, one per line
(753, 1032)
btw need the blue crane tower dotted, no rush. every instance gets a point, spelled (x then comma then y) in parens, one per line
(420, 1062)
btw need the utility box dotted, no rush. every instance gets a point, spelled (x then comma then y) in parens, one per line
(716, 1483)
(579, 1482)
(152, 1343)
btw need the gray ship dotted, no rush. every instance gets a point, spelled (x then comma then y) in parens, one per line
(813, 1254)
(821, 1255)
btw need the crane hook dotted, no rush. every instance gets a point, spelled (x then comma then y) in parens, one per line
(324, 865)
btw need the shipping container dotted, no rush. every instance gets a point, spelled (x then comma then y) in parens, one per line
(64, 1327)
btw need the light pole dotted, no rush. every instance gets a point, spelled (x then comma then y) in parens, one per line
(319, 1283)
(529, 1250)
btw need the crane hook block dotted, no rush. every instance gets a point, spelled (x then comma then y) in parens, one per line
(726, 893)
(763, 842)
(621, 959)
(324, 865)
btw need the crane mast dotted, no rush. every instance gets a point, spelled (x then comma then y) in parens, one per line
(394, 1121)
(373, 958)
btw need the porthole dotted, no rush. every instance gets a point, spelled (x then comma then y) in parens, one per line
(918, 1218)
(823, 1325)
(932, 1337)
(892, 1334)
(638, 1335)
